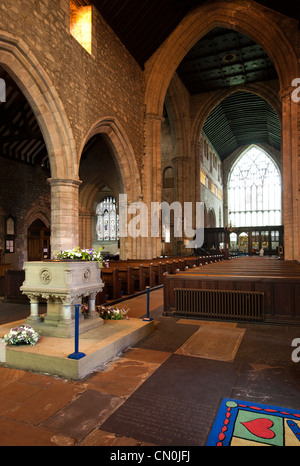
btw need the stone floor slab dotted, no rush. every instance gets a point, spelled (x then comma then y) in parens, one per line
(121, 378)
(83, 415)
(218, 343)
(101, 438)
(12, 395)
(15, 433)
(147, 355)
(43, 404)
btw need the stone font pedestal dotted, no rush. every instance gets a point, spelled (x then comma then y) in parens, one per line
(62, 284)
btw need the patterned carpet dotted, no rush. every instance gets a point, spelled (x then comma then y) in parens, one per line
(240, 423)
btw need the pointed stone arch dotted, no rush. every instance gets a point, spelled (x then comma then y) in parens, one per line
(123, 153)
(263, 26)
(252, 20)
(19, 61)
(124, 157)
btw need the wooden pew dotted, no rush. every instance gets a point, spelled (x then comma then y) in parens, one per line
(278, 280)
(110, 277)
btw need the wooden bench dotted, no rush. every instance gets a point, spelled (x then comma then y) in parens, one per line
(279, 281)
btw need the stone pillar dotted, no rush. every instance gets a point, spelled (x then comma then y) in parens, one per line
(85, 230)
(290, 177)
(92, 306)
(34, 309)
(151, 247)
(64, 214)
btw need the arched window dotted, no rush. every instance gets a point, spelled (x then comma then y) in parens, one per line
(168, 178)
(107, 220)
(254, 190)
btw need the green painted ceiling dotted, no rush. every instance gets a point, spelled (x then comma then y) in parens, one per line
(224, 58)
(221, 59)
(242, 119)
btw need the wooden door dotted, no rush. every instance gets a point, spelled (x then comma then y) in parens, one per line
(38, 241)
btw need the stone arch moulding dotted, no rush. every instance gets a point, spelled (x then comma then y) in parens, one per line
(253, 21)
(122, 150)
(37, 213)
(118, 142)
(20, 62)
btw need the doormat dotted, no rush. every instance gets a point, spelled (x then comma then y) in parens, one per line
(242, 423)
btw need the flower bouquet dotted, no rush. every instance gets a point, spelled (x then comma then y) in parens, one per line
(112, 313)
(24, 334)
(82, 254)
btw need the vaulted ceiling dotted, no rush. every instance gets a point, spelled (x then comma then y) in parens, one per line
(143, 25)
(242, 119)
(224, 58)
(221, 59)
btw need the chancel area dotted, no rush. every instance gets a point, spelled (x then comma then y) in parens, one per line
(165, 134)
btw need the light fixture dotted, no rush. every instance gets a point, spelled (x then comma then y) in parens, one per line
(229, 57)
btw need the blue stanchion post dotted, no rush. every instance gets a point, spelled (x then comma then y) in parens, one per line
(76, 354)
(148, 302)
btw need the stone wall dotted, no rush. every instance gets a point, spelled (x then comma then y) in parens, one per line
(211, 184)
(25, 196)
(91, 87)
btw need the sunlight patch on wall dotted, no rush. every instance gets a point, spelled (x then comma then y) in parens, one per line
(81, 24)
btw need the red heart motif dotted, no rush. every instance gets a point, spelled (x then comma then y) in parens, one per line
(260, 427)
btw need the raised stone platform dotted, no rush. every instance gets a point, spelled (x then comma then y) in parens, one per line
(99, 345)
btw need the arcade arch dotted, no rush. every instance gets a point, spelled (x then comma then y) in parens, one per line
(260, 26)
(110, 162)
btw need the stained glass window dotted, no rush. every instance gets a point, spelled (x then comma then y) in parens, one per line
(107, 220)
(254, 190)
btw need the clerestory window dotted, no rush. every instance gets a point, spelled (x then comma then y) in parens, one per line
(81, 23)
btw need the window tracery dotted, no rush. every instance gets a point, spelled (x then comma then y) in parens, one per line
(107, 220)
(254, 190)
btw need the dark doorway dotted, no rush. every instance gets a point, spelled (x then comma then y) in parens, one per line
(38, 241)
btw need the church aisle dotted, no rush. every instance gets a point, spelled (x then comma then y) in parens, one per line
(156, 393)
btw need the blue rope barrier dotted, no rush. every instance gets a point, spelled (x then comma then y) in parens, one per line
(76, 354)
(148, 300)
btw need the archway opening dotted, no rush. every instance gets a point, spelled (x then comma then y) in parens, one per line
(24, 174)
(99, 194)
(39, 247)
(223, 79)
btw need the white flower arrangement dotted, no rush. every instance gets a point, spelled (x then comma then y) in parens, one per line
(82, 254)
(24, 334)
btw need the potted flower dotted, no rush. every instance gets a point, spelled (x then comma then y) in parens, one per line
(90, 254)
(22, 335)
(112, 313)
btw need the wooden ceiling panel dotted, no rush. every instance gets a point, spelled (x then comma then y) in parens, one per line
(242, 118)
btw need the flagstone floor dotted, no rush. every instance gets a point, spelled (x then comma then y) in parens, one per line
(164, 391)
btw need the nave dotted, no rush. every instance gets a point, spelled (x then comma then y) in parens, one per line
(164, 391)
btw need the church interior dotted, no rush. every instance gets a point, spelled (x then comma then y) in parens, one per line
(188, 105)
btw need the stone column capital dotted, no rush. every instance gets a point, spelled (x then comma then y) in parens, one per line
(64, 182)
(286, 92)
(154, 116)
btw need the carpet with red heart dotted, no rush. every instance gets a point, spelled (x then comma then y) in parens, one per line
(241, 423)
